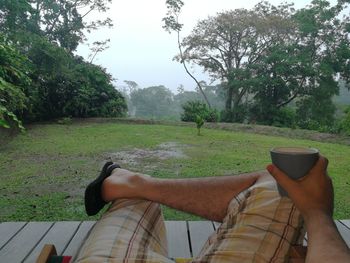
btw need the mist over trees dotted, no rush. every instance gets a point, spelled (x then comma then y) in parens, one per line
(159, 102)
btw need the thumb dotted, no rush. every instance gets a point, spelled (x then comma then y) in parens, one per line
(286, 182)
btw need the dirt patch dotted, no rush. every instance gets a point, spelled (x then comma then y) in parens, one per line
(136, 156)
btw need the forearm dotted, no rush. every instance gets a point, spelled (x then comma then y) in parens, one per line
(325, 244)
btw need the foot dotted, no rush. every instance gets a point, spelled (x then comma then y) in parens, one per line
(93, 199)
(124, 184)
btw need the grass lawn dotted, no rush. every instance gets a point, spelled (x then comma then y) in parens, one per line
(44, 171)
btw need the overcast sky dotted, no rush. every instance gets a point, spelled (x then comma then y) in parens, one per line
(140, 49)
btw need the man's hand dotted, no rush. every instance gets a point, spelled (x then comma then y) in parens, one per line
(313, 196)
(313, 193)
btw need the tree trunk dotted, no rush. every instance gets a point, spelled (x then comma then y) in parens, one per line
(228, 105)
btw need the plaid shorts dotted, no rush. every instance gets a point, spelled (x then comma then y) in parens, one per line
(260, 226)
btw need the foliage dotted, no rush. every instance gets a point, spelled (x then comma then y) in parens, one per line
(14, 81)
(152, 102)
(65, 85)
(199, 124)
(345, 122)
(61, 22)
(270, 56)
(227, 44)
(192, 109)
(44, 34)
(158, 102)
(316, 112)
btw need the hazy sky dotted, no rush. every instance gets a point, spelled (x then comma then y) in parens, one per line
(140, 49)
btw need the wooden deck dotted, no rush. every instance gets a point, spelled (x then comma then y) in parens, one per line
(22, 241)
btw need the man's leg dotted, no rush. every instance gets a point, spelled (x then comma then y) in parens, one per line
(130, 231)
(260, 226)
(206, 197)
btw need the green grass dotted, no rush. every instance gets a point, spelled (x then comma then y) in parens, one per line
(44, 171)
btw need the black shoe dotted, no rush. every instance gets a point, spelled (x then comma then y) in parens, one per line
(93, 199)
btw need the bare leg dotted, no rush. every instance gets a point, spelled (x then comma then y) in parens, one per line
(206, 197)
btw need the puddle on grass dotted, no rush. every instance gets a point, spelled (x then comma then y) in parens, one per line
(135, 157)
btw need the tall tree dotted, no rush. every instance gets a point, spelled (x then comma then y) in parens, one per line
(228, 43)
(153, 102)
(61, 22)
(324, 40)
(171, 23)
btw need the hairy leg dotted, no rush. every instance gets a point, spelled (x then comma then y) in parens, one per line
(207, 197)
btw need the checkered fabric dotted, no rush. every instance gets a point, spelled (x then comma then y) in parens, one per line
(260, 226)
(130, 231)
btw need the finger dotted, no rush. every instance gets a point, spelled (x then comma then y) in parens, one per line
(321, 165)
(287, 183)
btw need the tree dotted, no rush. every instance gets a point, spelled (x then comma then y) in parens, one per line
(61, 22)
(46, 32)
(153, 102)
(171, 23)
(199, 124)
(92, 94)
(98, 47)
(14, 81)
(324, 39)
(305, 66)
(67, 86)
(132, 85)
(227, 44)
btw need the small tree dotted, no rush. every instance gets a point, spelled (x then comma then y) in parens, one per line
(172, 24)
(199, 123)
(345, 122)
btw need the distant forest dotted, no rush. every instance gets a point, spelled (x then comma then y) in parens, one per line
(159, 102)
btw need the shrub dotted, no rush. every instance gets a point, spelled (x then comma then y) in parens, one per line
(192, 109)
(345, 122)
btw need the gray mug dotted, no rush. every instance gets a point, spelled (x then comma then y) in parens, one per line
(296, 162)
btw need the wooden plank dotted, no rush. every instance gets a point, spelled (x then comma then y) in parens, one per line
(346, 222)
(75, 243)
(178, 242)
(199, 233)
(21, 245)
(59, 235)
(344, 231)
(8, 230)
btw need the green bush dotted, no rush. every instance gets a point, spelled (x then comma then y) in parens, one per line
(270, 115)
(284, 117)
(239, 114)
(345, 122)
(14, 68)
(192, 109)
